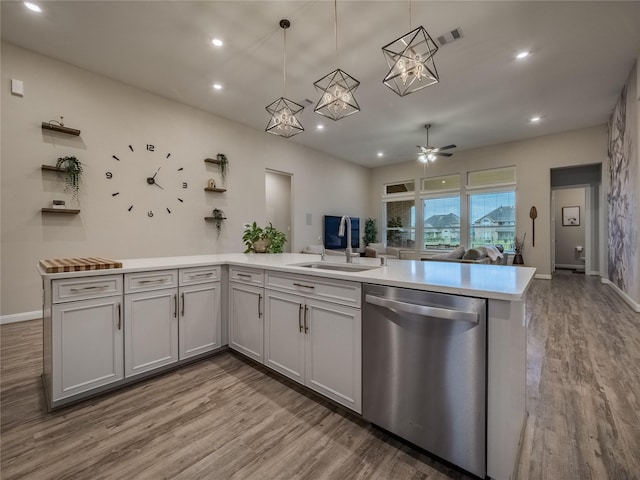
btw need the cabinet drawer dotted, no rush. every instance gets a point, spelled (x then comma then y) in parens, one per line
(70, 289)
(145, 281)
(192, 276)
(329, 289)
(246, 275)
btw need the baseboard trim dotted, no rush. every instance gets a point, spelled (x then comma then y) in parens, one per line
(593, 273)
(543, 276)
(635, 306)
(20, 317)
(566, 266)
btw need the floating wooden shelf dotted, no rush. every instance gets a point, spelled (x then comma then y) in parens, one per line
(52, 168)
(211, 219)
(212, 160)
(68, 211)
(215, 189)
(60, 128)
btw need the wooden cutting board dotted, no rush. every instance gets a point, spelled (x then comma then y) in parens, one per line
(59, 265)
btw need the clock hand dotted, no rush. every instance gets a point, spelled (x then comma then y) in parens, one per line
(154, 175)
(158, 185)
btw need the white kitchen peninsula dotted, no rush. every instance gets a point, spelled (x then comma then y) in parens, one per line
(86, 324)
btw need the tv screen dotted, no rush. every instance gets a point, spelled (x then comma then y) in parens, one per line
(331, 239)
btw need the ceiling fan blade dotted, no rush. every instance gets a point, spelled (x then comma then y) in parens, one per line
(447, 147)
(440, 154)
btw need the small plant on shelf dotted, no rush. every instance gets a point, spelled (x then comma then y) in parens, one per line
(73, 172)
(263, 240)
(218, 218)
(224, 163)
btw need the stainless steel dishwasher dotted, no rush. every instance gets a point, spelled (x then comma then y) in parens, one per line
(424, 371)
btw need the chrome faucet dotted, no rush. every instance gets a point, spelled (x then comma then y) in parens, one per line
(349, 252)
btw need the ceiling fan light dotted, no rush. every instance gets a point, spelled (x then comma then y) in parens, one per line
(411, 63)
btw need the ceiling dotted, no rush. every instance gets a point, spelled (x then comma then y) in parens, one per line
(581, 56)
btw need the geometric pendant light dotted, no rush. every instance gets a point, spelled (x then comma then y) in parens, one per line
(337, 100)
(410, 60)
(284, 121)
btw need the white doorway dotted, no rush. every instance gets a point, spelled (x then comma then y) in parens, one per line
(278, 203)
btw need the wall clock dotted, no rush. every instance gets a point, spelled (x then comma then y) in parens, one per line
(154, 183)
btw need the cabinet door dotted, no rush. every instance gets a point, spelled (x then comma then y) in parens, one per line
(246, 327)
(333, 352)
(87, 345)
(151, 330)
(199, 326)
(284, 333)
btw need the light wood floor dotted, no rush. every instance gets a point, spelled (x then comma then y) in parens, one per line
(222, 418)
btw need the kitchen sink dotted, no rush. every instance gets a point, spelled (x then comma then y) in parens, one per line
(340, 267)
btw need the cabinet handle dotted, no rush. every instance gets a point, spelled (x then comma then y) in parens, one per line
(160, 280)
(306, 327)
(182, 298)
(200, 275)
(245, 275)
(300, 319)
(259, 302)
(175, 306)
(95, 287)
(119, 316)
(303, 285)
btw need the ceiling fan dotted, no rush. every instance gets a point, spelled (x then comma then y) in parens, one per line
(429, 153)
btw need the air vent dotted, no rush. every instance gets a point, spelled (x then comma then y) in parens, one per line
(452, 36)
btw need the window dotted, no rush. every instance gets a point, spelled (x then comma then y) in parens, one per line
(441, 211)
(441, 222)
(396, 188)
(492, 219)
(401, 223)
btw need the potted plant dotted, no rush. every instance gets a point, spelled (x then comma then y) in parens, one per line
(218, 217)
(73, 172)
(223, 162)
(370, 231)
(519, 249)
(263, 240)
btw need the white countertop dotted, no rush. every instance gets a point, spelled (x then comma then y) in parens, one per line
(486, 281)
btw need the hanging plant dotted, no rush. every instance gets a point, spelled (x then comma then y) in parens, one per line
(73, 172)
(223, 162)
(218, 218)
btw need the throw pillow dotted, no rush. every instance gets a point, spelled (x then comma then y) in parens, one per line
(475, 254)
(455, 254)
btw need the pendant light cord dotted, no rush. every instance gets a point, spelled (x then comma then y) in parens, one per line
(284, 63)
(335, 19)
(409, 15)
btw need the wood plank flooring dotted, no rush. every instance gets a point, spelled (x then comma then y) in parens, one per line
(223, 418)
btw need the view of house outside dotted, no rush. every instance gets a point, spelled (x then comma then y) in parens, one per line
(401, 224)
(441, 222)
(493, 219)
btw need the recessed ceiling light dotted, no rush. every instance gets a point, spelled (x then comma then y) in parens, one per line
(217, 42)
(33, 7)
(320, 127)
(522, 55)
(535, 119)
(380, 154)
(217, 86)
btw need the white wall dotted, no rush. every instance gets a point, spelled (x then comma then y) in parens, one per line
(533, 159)
(112, 115)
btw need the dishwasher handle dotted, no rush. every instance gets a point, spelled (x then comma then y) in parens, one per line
(425, 310)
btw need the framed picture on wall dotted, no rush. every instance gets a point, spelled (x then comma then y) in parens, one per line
(570, 216)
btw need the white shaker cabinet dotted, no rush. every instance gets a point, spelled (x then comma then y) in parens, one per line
(82, 336)
(151, 321)
(199, 317)
(246, 324)
(316, 342)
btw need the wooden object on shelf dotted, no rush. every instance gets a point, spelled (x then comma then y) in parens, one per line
(60, 128)
(214, 189)
(212, 160)
(211, 219)
(71, 211)
(52, 168)
(59, 265)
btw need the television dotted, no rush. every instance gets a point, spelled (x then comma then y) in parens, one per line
(331, 239)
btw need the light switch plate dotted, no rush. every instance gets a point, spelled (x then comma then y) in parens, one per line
(17, 87)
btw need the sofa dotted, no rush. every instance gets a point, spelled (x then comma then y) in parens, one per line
(379, 250)
(487, 254)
